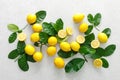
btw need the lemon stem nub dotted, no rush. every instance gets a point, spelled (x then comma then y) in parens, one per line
(25, 26)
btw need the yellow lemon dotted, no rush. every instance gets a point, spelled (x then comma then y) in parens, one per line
(65, 46)
(52, 41)
(69, 30)
(98, 63)
(80, 39)
(78, 17)
(51, 50)
(29, 49)
(83, 27)
(31, 18)
(35, 37)
(62, 34)
(37, 27)
(95, 44)
(102, 37)
(75, 46)
(37, 56)
(59, 62)
(21, 36)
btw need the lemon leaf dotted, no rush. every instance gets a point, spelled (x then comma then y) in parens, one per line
(90, 28)
(12, 37)
(36, 44)
(48, 28)
(97, 19)
(63, 54)
(74, 65)
(22, 63)
(90, 18)
(13, 54)
(105, 63)
(89, 38)
(43, 37)
(107, 31)
(20, 47)
(40, 16)
(30, 58)
(13, 27)
(58, 25)
(109, 50)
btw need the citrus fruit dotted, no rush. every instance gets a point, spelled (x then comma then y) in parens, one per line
(29, 49)
(78, 17)
(52, 41)
(80, 39)
(98, 63)
(21, 36)
(75, 46)
(59, 62)
(83, 27)
(69, 30)
(35, 37)
(62, 34)
(37, 56)
(51, 50)
(65, 46)
(31, 18)
(95, 44)
(102, 37)
(37, 27)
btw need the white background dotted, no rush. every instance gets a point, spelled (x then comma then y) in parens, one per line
(15, 11)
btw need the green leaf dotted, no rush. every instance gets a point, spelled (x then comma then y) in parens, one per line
(13, 54)
(12, 37)
(66, 54)
(85, 49)
(43, 37)
(97, 19)
(98, 54)
(30, 58)
(105, 63)
(13, 27)
(48, 28)
(109, 50)
(90, 18)
(74, 65)
(36, 44)
(107, 31)
(89, 38)
(20, 47)
(22, 63)
(90, 28)
(40, 16)
(58, 25)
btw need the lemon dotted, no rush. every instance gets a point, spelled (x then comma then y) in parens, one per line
(29, 49)
(52, 41)
(65, 46)
(37, 27)
(98, 63)
(62, 34)
(59, 62)
(37, 56)
(95, 44)
(102, 37)
(78, 17)
(75, 46)
(80, 39)
(51, 50)
(35, 37)
(21, 36)
(31, 18)
(83, 27)
(69, 30)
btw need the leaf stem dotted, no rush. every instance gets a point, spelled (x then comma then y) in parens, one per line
(25, 26)
(97, 29)
(85, 58)
(17, 58)
(41, 47)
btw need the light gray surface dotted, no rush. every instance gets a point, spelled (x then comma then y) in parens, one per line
(15, 11)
